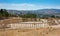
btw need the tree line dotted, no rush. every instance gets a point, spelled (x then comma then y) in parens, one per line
(4, 14)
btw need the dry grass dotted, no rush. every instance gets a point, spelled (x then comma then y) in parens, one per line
(32, 32)
(10, 20)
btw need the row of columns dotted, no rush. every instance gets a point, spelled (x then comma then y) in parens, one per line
(27, 26)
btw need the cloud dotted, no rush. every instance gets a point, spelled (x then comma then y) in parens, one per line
(26, 6)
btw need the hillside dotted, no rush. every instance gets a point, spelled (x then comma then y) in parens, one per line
(40, 11)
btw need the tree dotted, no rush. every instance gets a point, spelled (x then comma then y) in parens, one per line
(52, 16)
(4, 13)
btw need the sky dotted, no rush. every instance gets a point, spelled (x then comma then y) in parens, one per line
(29, 4)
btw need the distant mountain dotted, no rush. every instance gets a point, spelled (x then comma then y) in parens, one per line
(40, 11)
